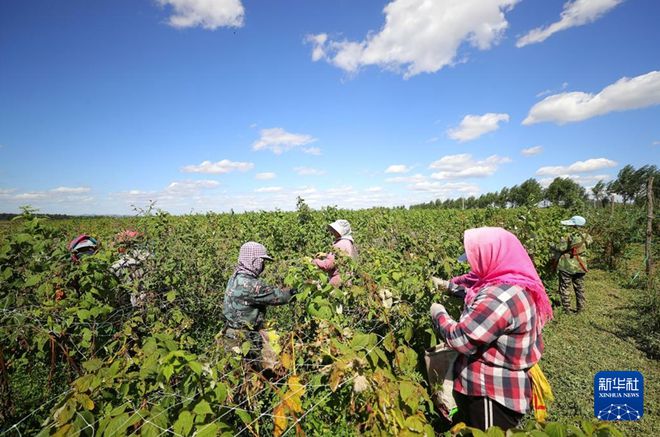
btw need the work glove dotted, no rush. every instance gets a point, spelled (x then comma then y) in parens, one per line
(437, 309)
(442, 284)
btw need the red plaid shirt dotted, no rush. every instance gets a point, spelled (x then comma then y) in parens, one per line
(498, 341)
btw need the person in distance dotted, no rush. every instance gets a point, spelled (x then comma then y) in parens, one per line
(343, 241)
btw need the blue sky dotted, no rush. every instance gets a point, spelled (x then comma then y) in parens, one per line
(245, 104)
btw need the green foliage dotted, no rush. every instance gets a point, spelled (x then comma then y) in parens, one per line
(584, 428)
(348, 359)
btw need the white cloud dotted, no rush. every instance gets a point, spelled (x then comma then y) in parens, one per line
(265, 176)
(432, 139)
(446, 189)
(311, 150)
(71, 190)
(268, 190)
(48, 200)
(179, 196)
(419, 36)
(577, 167)
(208, 14)
(187, 186)
(31, 195)
(656, 143)
(625, 94)
(463, 166)
(397, 168)
(220, 167)
(575, 13)
(531, 151)
(407, 179)
(278, 140)
(584, 180)
(474, 126)
(308, 171)
(374, 189)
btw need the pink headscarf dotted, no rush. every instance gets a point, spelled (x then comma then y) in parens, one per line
(496, 256)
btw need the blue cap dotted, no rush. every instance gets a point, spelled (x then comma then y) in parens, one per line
(462, 258)
(576, 220)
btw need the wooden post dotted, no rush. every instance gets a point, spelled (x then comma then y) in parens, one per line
(648, 248)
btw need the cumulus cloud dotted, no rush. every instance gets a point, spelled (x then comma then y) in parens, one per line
(474, 126)
(265, 176)
(625, 94)
(220, 167)
(374, 189)
(531, 151)
(278, 140)
(463, 166)
(208, 14)
(268, 189)
(584, 180)
(308, 171)
(397, 168)
(577, 167)
(419, 36)
(575, 13)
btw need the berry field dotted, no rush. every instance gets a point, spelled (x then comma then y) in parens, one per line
(77, 358)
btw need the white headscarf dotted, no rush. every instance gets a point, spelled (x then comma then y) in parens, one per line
(343, 228)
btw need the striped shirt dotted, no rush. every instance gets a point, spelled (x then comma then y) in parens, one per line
(498, 341)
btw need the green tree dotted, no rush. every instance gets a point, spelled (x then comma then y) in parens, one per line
(598, 191)
(565, 192)
(529, 193)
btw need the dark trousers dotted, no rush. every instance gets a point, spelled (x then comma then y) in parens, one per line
(482, 412)
(565, 281)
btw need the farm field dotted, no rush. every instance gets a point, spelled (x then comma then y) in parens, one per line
(79, 359)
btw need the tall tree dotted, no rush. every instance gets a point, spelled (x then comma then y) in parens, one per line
(529, 193)
(598, 191)
(565, 192)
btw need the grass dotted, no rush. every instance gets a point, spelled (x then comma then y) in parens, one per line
(577, 346)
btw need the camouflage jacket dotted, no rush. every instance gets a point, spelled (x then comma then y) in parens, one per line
(571, 252)
(246, 299)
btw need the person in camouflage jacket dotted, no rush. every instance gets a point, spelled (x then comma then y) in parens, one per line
(571, 264)
(246, 300)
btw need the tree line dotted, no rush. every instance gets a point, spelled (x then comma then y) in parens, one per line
(628, 187)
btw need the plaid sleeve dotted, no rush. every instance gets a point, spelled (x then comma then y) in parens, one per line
(482, 324)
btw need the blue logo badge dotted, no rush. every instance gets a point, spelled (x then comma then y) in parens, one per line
(618, 395)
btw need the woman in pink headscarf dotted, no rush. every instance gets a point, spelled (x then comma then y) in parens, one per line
(498, 335)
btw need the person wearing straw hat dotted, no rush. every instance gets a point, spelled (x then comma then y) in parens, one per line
(498, 335)
(570, 262)
(344, 243)
(246, 299)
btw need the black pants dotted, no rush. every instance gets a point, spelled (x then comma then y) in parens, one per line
(482, 412)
